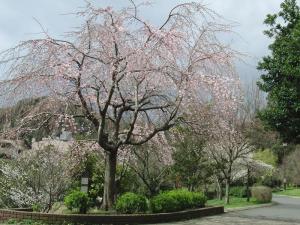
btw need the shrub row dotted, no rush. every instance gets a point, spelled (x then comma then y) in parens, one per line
(171, 201)
(130, 203)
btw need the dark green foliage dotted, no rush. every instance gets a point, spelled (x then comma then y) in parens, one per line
(164, 203)
(130, 203)
(177, 200)
(281, 78)
(240, 192)
(270, 181)
(93, 165)
(77, 200)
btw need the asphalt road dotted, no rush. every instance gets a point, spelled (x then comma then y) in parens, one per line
(285, 209)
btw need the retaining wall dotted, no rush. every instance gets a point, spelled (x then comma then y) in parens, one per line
(109, 219)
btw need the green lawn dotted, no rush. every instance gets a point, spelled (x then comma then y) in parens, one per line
(24, 222)
(290, 192)
(234, 202)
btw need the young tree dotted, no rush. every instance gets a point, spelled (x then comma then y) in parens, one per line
(290, 168)
(191, 164)
(131, 79)
(281, 72)
(227, 145)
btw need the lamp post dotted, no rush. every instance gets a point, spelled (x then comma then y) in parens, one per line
(284, 145)
(85, 182)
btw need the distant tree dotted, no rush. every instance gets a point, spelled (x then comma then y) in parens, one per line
(290, 167)
(281, 78)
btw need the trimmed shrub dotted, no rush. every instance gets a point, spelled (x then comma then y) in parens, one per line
(77, 200)
(129, 203)
(240, 192)
(262, 194)
(163, 203)
(177, 200)
(198, 200)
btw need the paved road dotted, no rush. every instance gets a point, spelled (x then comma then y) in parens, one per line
(286, 209)
(285, 212)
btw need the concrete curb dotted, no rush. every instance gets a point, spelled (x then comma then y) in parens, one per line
(287, 196)
(249, 207)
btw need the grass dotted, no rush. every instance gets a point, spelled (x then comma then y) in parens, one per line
(233, 203)
(290, 192)
(28, 222)
(23, 222)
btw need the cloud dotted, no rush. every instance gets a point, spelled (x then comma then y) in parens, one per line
(17, 21)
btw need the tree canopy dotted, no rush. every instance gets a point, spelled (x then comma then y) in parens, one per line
(281, 72)
(129, 78)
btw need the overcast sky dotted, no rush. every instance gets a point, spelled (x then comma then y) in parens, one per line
(17, 22)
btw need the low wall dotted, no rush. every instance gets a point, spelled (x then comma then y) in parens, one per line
(110, 219)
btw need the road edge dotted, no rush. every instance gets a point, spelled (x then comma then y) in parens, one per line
(287, 196)
(250, 207)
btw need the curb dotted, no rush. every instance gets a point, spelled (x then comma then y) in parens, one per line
(287, 196)
(249, 207)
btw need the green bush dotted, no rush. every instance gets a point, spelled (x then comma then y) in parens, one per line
(77, 200)
(163, 203)
(177, 200)
(262, 194)
(240, 192)
(131, 203)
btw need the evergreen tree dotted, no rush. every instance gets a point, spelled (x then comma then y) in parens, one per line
(281, 78)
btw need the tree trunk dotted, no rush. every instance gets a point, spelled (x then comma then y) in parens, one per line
(227, 189)
(153, 191)
(219, 190)
(109, 180)
(248, 185)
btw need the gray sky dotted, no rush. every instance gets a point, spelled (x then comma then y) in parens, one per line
(17, 22)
